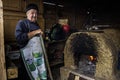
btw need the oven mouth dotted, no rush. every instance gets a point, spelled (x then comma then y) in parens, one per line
(84, 52)
(83, 44)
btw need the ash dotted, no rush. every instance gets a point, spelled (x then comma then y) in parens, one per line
(87, 67)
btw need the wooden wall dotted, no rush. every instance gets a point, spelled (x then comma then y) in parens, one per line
(14, 12)
(52, 13)
(78, 16)
(11, 11)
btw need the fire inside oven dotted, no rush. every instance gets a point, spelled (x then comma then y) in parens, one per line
(85, 54)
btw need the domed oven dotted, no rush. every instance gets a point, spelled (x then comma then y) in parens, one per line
(93, 54)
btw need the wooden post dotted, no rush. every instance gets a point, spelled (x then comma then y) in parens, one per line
(2, 53)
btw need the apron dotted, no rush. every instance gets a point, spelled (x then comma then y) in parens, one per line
(33, 58)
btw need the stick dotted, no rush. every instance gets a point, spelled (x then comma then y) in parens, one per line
(46, 59)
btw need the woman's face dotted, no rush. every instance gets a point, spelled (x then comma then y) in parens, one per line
(32, 15)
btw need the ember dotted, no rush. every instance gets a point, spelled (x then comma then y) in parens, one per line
(87, 65)
(91, 58)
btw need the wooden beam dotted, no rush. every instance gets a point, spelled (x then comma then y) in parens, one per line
(2, 53)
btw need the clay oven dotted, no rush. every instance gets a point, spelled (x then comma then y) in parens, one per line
(94, 53)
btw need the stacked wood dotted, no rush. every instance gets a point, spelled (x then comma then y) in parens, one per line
(106, 50)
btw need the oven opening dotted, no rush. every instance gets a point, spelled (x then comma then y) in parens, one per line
(87, 65)
(85, 54)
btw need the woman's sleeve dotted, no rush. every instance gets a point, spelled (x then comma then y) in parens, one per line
(21, 33)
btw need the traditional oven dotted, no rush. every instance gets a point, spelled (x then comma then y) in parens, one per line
(93, 54)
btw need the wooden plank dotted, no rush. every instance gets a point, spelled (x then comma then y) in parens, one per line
(81, 75)
(66, 71)
(77, 77)
(2, 53)
(8, 4)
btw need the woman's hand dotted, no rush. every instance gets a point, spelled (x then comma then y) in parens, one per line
(35, 32)
(39, 31)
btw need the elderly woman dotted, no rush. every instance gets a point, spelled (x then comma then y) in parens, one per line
(29, 27)
(25, 30)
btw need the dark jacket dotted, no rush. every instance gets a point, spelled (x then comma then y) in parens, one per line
(22, 29)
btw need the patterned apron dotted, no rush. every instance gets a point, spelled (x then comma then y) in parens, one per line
(33, 58)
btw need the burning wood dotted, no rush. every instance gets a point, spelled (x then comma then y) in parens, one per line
(91, 58)
(87, 65)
